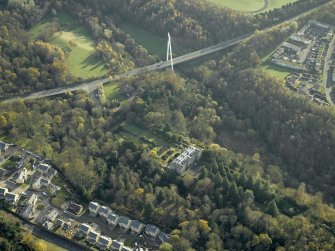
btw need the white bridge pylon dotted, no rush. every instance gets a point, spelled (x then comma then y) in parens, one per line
(169, 51)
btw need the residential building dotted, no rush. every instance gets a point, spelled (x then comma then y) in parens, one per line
(48, 225)
(113, 219)
(124, 222)
(3, 147)
(75, 208)
(28, 212)
(185, 159)
(94, 207)
(152, 230)
(83, 230)
(12, 198)
(136, 226)
(36, 184)
(3, 191)
(104, 211)
(163, 237)
(43, 168)
(52, 215)
(21, 176)
(3, 172)
(92, 237)
(104, 242)
(31, 200)
(45, 182)
(59, 222)
(116, 245)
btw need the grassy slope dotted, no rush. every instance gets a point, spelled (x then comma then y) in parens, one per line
(276, 71)
(250, 5)
(49, 246)
(81, 59)
(156, 45)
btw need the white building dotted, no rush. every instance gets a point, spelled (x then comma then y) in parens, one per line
(3, 147)
(22, 176)
(136, 226)
(113, 219)
(116, 245)
(52, 215)
(104, 211)
(124, 222)
(43, 168)
(185, 159)
(94, 207)
(31, 200)
(92, 237)
(28, 212)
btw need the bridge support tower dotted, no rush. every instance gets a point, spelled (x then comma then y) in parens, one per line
(169, 51)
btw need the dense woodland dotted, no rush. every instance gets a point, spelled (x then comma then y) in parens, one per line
(233, 201)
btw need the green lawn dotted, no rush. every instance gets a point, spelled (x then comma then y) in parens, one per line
(80, 56)
(275, 71)
(251, 5)
(156, 45)
(111, 91)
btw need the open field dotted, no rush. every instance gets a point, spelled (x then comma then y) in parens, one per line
(112, 91)
(156, 45)
(254, 6)
(77, 43)
(276, 71)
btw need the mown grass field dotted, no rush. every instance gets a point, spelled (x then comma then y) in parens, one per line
(275, 71)
(77, 43)
(48, 246)
(251, 6)
(156, 45)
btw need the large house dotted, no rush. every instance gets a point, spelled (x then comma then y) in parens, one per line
(152, 230)
(36, 184)
(3, 191)
(83, 230)
(185, 159)
(21, 176)
(28, 212)
(136, 226)
(104, 242)
(94, 207)
(12, 198)
(116, 245)
(48, 225)
(92, 237)
(43, 168)
(113, 219)
(124, 222)
(31, 200)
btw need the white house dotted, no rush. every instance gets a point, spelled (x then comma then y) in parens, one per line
(104, 211)
(83, 230)
(45, 182)
(152, 230)
(3, 147)
(185, 159)
(92, 237)
(31, 200)
(37, 184)
(113, 219)
(94, 207)
(136, 226)
(11, 198)
(22, 176)
(3, 191)
(48, 225)
(116, 245)
(104, 242)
